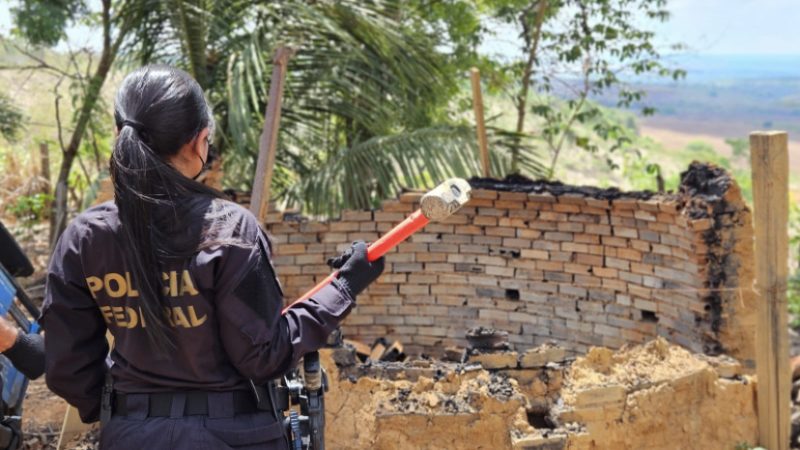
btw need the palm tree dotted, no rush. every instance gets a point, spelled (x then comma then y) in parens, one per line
(365, 108)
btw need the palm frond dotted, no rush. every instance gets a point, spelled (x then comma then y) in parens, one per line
(379, 167)
(362, 100)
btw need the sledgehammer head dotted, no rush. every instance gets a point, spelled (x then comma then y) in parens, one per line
(445, 199)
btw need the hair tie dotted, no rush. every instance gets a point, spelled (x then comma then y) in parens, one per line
(133, 124)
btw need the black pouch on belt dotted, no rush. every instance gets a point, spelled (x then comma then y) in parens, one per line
(106, 401)
(267, 398)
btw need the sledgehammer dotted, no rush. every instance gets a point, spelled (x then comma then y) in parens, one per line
(436, 205)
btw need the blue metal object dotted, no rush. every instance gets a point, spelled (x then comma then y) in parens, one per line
(7, 292)
(14, 382)
(294, 421)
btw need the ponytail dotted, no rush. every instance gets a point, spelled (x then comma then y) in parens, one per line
(158, 109)
(132, 166)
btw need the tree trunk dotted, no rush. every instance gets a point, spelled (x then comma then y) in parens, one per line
(532, 43)
(44, 175)
(59, 214)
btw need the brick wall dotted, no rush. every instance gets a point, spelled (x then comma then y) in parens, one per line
(579, 266)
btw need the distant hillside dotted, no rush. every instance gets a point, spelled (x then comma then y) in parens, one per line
(728, 95)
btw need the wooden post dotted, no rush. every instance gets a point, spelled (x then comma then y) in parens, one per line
(44, 173)
(44, 164)
(259, 202)
(71, 427)
(477, 104)
(770, 164)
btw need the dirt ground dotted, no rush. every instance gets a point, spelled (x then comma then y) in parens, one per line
(42, 416)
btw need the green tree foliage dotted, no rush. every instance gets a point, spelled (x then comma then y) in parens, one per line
(570, 51)
(739, 146)
(44, 22)
(375, 98)
(578, 49)
(11, 118)
(366, 103)
(31, 18)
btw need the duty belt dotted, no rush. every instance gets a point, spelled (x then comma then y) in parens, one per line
(167, 404)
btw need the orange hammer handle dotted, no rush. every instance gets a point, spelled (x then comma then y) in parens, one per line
(390, 240)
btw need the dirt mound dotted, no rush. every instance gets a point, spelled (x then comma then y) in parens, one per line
(631, 367)
(657, 396)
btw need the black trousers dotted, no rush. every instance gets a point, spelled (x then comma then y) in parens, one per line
(219, 430)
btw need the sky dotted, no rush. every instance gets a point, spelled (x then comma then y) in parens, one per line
(735, 26)
(712, 27)
(721, 27)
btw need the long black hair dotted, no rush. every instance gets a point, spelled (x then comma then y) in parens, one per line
(158, 109)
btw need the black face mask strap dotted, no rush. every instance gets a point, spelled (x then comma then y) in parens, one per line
(202, 168)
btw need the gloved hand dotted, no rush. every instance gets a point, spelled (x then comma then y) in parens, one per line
(355, 270)
(336, 262)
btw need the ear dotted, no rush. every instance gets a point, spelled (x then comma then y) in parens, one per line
(200, 147)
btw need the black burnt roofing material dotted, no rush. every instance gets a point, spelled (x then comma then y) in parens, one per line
(706, 181)
(521, 183)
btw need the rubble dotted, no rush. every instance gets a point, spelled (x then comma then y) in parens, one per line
(656, 396)
(380, 350)
(481, 338)
(541, 356)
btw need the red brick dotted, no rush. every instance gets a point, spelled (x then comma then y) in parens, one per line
(480, 202)
(357, 216)
(624, 203)
(583, 238)
(501, 231)
(598, 203)
(396, 206)
(509, 204)
(566, 208)
(290, 249)
(483, 194)
(605, 272)
(572, 199)
(541, 198)
(411, 197)
(485, 220)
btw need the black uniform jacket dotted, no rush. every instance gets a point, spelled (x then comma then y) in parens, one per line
(223, 303)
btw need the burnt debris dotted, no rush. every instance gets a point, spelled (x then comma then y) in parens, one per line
(481, 338)
(703, 192)
(521, 183)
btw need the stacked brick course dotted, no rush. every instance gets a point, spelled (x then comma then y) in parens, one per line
(547, 262)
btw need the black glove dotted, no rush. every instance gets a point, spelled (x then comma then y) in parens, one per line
(356, 272)
(336, 262)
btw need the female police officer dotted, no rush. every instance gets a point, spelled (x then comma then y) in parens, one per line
(183, 280)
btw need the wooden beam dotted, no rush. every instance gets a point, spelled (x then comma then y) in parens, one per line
(480, 126)
(44, 166)
(72, 426)
(267, 146)
(770, 165)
